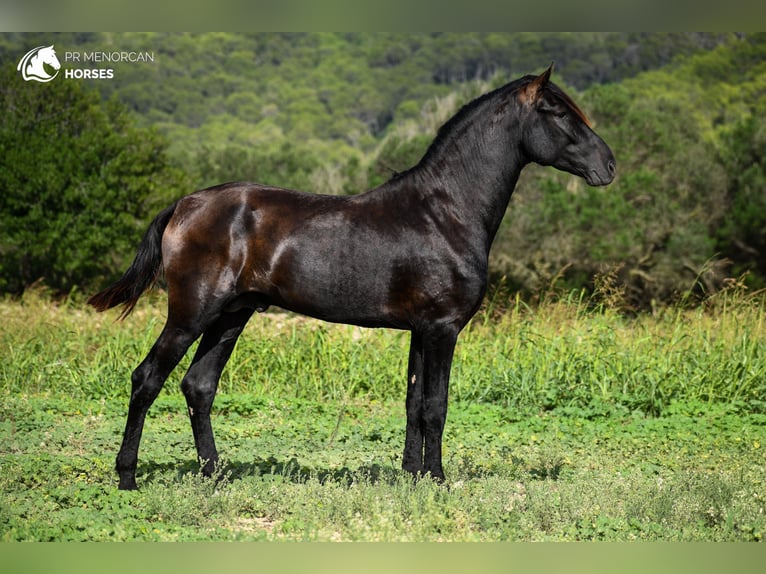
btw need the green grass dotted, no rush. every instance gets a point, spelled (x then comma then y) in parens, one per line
(565, 423)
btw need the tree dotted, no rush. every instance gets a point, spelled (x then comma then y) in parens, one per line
(742, 233)
(78, 184)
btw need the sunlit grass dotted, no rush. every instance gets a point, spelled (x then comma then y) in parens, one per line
(560, 354)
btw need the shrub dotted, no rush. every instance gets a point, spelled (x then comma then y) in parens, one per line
(78, 184)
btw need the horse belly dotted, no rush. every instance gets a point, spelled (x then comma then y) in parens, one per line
(335, 281)
(346, 289)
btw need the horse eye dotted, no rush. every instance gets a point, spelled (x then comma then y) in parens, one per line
(555, 112)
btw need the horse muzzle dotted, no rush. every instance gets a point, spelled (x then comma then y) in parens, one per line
(602, 176)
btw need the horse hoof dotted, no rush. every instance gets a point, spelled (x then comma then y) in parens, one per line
(128, 483)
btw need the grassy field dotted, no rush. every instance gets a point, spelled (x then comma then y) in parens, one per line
(566, 422)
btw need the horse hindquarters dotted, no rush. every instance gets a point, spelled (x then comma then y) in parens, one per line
(200, 285)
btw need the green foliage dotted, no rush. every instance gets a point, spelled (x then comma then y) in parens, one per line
(395, 156)
(693, 475)
(742, 233)
(287, 166)
(77, 184)
(559, 355)
(340, 113)
(338, 87)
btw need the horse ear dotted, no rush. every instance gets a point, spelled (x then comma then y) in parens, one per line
(546, 75)
(532, 91)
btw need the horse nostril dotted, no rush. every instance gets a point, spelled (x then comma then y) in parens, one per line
(611, 167)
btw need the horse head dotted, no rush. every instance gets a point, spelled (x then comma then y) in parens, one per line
(556, 132)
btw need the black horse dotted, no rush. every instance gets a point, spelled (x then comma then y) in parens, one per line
(411, 254)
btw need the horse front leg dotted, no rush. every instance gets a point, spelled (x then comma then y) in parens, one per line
(438, 352)
(412, 461)
(428, 375)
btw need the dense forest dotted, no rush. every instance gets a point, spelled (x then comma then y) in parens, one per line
(84, 165)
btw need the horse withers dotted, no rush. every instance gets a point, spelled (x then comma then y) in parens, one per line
(410, 254)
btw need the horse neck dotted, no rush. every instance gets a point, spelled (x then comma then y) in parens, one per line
(478, 164)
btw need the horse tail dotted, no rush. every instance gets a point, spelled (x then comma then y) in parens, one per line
(142, 273)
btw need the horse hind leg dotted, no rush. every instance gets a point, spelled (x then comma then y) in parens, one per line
(201, 381)
(188, 318)
(147, 381)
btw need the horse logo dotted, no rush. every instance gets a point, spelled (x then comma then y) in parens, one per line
(32, 65)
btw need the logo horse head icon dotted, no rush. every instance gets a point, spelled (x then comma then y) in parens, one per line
(32, 65)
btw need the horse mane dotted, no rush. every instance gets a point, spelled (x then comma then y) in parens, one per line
(450, 127)
(446, 131)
